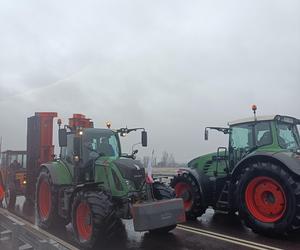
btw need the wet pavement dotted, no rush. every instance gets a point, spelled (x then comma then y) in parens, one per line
(211, 231)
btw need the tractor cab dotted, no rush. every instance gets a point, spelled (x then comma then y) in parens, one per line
(11, 157)
(266, 133)
(82, 146)
(13, 163)
(257, 134)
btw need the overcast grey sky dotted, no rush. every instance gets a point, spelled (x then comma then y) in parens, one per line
(173, 67)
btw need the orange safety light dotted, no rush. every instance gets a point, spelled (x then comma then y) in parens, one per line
(108, 124)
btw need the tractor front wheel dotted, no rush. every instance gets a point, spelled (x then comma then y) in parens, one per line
(46, 200)
(186, 188)
(268, 199)
(93, 218)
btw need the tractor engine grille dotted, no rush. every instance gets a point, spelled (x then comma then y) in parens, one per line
(131, 170)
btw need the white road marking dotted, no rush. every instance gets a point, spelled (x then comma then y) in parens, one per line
(227, 238)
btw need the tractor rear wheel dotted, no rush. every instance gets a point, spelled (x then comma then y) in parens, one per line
(93, 218)
(268, 198)
(186, 188)
(46, 200)
(162, 192)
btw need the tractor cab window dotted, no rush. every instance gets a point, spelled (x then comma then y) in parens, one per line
(67, 152)
(13, 159)
(288, 135)
(241, 136)
(263, 134)
(100, 143)
(251, 135)
(244, 138)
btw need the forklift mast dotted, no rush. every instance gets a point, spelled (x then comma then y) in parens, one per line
(40, 148)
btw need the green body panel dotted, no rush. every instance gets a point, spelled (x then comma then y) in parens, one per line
(104, 173)
(208, 165)
(62, 174)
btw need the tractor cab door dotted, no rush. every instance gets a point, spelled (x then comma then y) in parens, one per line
(67, 153)
(247, 137)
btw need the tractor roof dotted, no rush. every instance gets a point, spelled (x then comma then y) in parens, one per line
(251, 119)
(282, 118)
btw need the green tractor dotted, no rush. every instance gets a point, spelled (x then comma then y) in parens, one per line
(93, 185)
(258, 175)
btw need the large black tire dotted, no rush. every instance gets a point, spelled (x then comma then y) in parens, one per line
(93, 218)
(186, 187)
(46, 201)
(268, 199)
(162, 192)
(10, 197)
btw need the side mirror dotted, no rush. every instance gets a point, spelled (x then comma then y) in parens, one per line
(206, 134)
(62, 137)
(144, 139)
(77, 146)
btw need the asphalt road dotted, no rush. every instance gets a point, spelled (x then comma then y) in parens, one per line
(211, 231)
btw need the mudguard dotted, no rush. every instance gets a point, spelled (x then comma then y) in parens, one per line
(289, 160)
(59, 172)
(198, 178)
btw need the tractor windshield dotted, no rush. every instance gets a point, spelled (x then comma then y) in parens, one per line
(100, 141)
(288, 135)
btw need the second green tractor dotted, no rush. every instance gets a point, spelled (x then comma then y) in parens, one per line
(257, 175)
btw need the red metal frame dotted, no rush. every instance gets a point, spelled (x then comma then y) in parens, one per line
(79, 120)
(40, 148)
(46, 135)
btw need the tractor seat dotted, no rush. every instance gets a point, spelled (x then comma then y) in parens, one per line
(265, 139)
(106, 149)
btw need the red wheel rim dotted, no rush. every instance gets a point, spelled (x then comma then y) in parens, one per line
(183, 190)
(84, 221)
(44, 201)
(265, 199)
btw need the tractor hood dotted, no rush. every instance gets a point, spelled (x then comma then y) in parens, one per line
(203, 159)
(131, 170)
